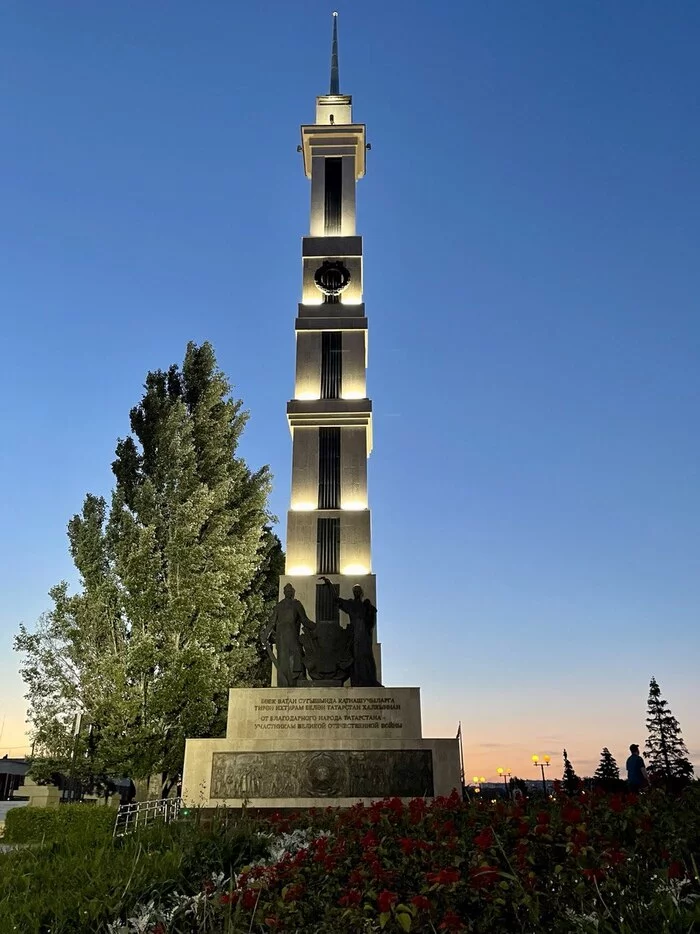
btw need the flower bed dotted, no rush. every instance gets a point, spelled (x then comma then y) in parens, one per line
(597, 863)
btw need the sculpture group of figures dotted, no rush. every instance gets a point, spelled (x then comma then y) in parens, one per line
(327, 653)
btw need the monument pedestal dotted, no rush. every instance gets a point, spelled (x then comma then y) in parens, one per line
(319, 747)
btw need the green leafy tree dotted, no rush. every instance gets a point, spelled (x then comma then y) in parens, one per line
(666, 753)
(570, 779)
(176, 579)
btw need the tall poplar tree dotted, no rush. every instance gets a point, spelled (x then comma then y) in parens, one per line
(666, 753)
(176, 579)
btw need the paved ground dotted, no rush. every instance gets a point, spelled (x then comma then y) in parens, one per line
(6, 806)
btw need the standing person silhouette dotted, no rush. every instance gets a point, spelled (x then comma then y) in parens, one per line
(637, 777)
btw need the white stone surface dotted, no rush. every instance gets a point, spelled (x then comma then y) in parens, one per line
(305, 469)
(272, 714)
(248, 707)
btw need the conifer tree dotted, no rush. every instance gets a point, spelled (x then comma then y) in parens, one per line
(570, 779)
(666, 753)
(176, 579)
(608, 769)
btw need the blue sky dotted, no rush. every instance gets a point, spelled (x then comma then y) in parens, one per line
(531, 279)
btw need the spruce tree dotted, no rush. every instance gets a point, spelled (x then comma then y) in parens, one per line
(608, 770)
(176, 579)
(666, 753)
(570, 779)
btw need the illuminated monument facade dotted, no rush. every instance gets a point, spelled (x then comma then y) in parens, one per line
(330, 416)
(326, 733)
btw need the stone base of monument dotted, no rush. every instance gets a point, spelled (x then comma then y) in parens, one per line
(319, 747)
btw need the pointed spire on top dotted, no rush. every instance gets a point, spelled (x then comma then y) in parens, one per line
(335, 78)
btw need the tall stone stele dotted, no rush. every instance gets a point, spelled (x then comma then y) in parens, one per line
(318, 741)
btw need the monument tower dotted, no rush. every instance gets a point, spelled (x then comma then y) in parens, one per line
(330, 416)
(326, 732)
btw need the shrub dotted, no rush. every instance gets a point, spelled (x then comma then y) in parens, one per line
(37, 825)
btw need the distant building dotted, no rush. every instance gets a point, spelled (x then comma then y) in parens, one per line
(12, 772)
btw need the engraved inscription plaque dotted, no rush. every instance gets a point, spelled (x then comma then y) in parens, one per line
(337, 773)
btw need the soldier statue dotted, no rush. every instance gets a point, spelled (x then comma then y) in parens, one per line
(284, 630)
(362, 620)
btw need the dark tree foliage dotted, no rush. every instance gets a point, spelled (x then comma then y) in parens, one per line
(666, 754)
(608, 768)
(177, 574)
(570, 779)
(607, 775)
(520, 785)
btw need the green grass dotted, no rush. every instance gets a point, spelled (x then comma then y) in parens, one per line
(84, 880)
(37, 825)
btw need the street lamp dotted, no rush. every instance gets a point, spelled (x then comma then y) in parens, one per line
(542, 765)
(477, 783)
(505, 774)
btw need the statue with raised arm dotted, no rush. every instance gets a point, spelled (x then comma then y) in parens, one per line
(362, 620)
(284, 630)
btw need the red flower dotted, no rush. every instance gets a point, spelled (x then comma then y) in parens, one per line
(369, 839)
(272, 922)
(617, 804)
(416, 809)
(395, 805)
(484, 876)
(250, 898)
(229, 898)
(616, 857)
(571, 814)
(594, 875)
(484, 839)
(543, 817)
(386, 899)
(356, 877)
(408, 845)
(352, 897)
(451, 922)
(293, 893)
(523, 828)
(676, 870)
(443, 877)
(421, 902)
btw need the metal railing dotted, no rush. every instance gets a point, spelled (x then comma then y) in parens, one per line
(140, 813)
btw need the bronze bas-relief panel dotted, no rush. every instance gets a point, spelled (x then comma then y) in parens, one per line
(337, 773)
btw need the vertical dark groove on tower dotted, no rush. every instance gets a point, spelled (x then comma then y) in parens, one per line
(328, 545)
(326, 609)
(329, 468)
(333, 196)
(331, 364)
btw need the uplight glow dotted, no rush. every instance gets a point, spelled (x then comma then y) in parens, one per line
(300, 570)
(357, 570)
